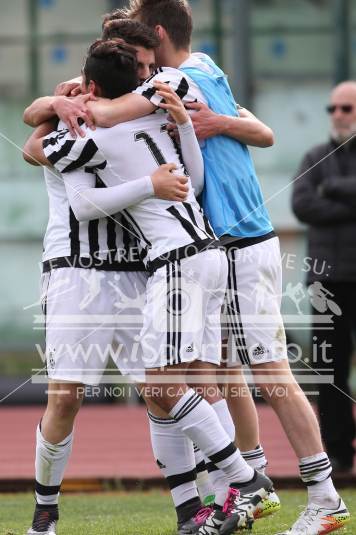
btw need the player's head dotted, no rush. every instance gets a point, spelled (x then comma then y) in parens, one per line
(138, 35)
(171, 20)
(110, 69)
(342, 109)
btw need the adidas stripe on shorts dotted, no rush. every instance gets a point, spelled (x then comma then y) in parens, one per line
(252, 320)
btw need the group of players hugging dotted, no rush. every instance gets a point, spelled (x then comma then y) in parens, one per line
(127, 149)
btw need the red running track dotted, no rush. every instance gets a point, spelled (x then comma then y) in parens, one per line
(113, 442)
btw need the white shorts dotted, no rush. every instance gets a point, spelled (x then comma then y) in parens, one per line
(90, 316)
(183, 309)
(252, 319)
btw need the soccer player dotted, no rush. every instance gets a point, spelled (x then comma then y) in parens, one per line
(170, 338)
(83, 265)
(234, 204)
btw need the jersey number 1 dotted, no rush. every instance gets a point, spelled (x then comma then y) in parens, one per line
(152, 146)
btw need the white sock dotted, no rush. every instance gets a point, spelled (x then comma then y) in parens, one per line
(256, 458)
(174, 454)
(315, 468)
(198, 420)
(199, 459)
(315, 473)
(217, 477)
(219, 482)
(323, 494)
(50, 464)
(223, 413)
(203, 482)
(205, 486)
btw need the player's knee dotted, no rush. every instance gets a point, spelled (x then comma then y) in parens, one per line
(277, 391)
(66, 404)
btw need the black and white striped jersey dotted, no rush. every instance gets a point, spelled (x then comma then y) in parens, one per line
(183, 85)
(123, 153)
(106, 243)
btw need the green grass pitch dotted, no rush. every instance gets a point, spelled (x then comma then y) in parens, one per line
(137, 514)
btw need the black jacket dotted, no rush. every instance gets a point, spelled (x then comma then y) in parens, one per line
(325, 198)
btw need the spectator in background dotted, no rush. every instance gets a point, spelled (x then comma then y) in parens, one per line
(324, 197)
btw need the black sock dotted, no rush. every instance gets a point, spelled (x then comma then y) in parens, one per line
(187, 510)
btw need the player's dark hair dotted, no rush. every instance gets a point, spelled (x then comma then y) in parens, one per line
(113, 66)
(174, 15)
(132, 32)
(115, 14)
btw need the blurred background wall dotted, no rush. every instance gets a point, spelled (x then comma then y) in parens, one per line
(282, 57)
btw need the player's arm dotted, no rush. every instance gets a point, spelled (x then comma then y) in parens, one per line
(192, 156)
(69, 110)
(246, 128)
(39, 111)
(102, 112)
(79, 159)
(89, 203)
(108, 113)
(33, 149)
(105, 112)
(143, 101)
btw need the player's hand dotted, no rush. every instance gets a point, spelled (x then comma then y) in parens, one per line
(172, 104)
(169, 186)
(71, 88)
(69, 110)
(204, 120)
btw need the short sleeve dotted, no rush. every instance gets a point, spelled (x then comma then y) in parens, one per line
(186, 89)
(67, 154)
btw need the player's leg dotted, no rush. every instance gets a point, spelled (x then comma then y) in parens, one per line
(244, 414)
(293, 409)
(54, 438)
(243, 410)
(73, 359)
(240, 402)
(325, 507)
(202, 377)
(196, 418)
(212, 338)
(172, 450)
(174, 455)
(64, 401)
(265, 347)
(239, 295)
(241, 303)
(208, 390)
(212, 345)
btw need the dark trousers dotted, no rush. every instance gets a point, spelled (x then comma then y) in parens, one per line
(335, 407)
